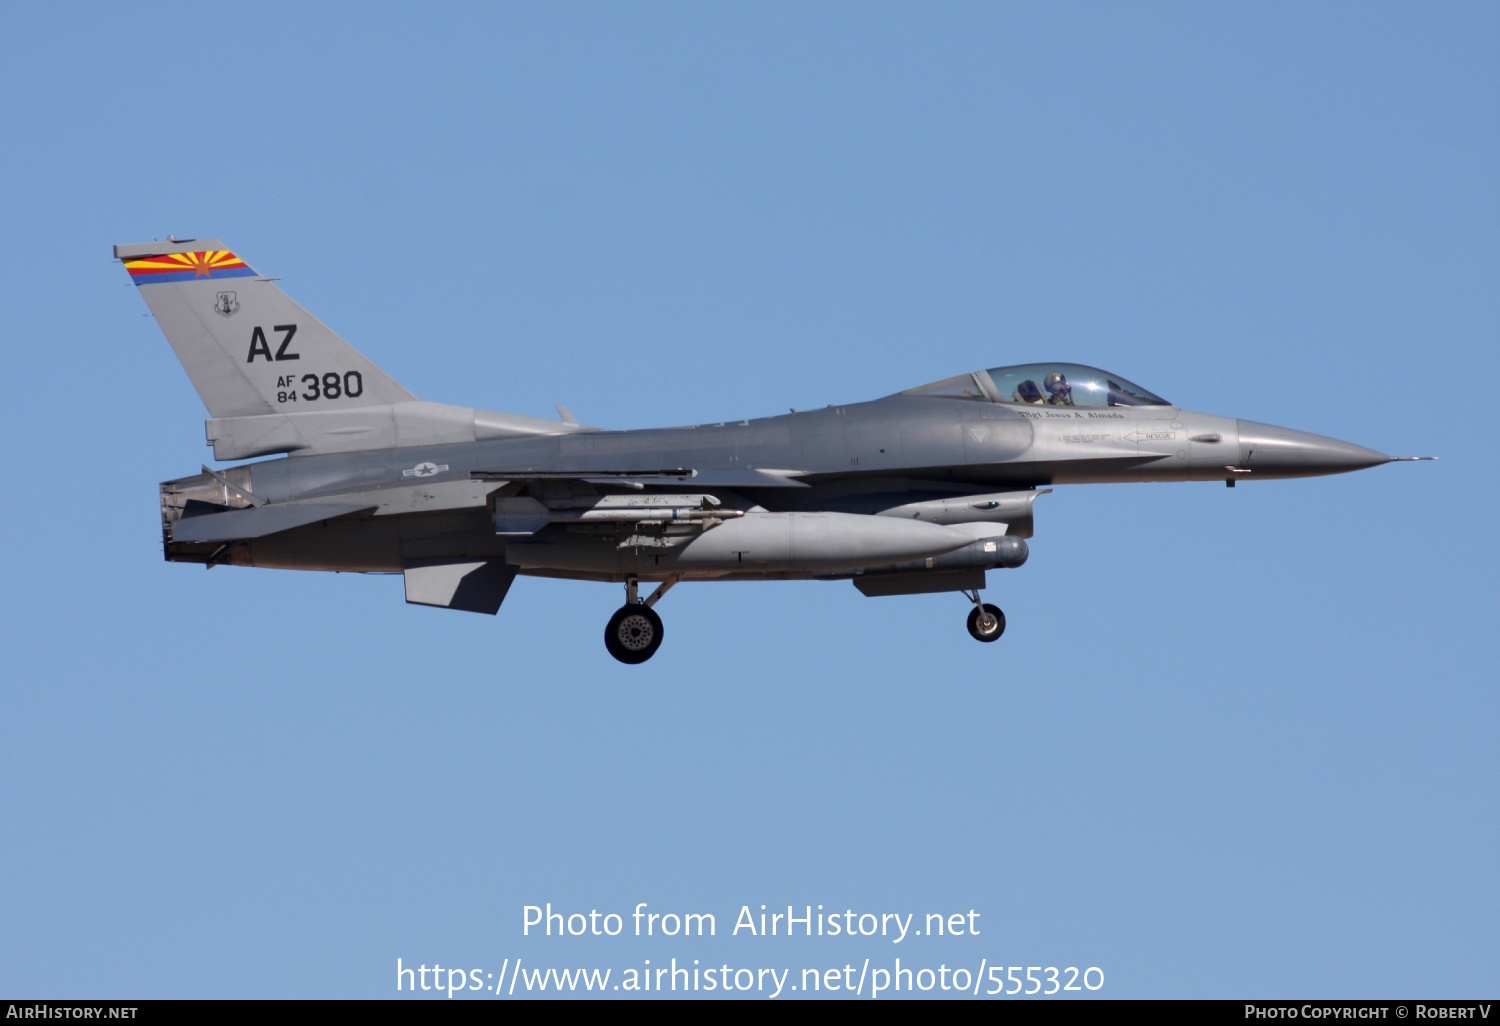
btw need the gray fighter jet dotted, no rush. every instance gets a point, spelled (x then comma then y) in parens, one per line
(922, 491)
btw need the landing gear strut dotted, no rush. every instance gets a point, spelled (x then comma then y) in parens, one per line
(986, 622)
(634, 633)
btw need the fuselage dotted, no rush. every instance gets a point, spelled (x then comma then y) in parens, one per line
(437, 501)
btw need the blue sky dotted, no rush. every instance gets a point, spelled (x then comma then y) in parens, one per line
(1233, 742)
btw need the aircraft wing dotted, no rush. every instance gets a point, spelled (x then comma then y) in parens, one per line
(257, 521)
(744, 478)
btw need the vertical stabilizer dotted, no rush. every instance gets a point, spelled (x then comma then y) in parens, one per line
(247, 346)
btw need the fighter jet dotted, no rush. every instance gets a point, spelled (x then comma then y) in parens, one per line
(924, 491)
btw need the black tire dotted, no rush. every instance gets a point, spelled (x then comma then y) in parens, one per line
(993, 635)
(633, 634)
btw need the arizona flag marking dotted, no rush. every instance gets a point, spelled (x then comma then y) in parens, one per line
(212, 263)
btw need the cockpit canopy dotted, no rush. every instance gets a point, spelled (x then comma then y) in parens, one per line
(1043, 384)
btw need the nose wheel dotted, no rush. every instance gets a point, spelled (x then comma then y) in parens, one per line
(986, 621)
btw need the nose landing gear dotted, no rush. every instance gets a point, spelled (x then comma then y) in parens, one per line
(634, 633)
(986, 622)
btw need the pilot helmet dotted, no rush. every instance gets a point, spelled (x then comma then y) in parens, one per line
(1056, 384)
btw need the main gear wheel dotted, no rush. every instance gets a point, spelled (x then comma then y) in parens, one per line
(634, 633)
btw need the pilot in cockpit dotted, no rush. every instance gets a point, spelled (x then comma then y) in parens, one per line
(1059, 392)
(1028, 392)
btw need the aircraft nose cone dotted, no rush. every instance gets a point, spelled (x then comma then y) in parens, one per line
(1269, 451)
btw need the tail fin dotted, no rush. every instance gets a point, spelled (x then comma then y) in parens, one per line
(247, 346)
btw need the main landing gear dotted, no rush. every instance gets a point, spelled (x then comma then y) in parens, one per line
(986, 622)
(634, 633)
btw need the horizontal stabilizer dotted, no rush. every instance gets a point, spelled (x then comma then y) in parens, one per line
(257, 522)
(471, 585)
